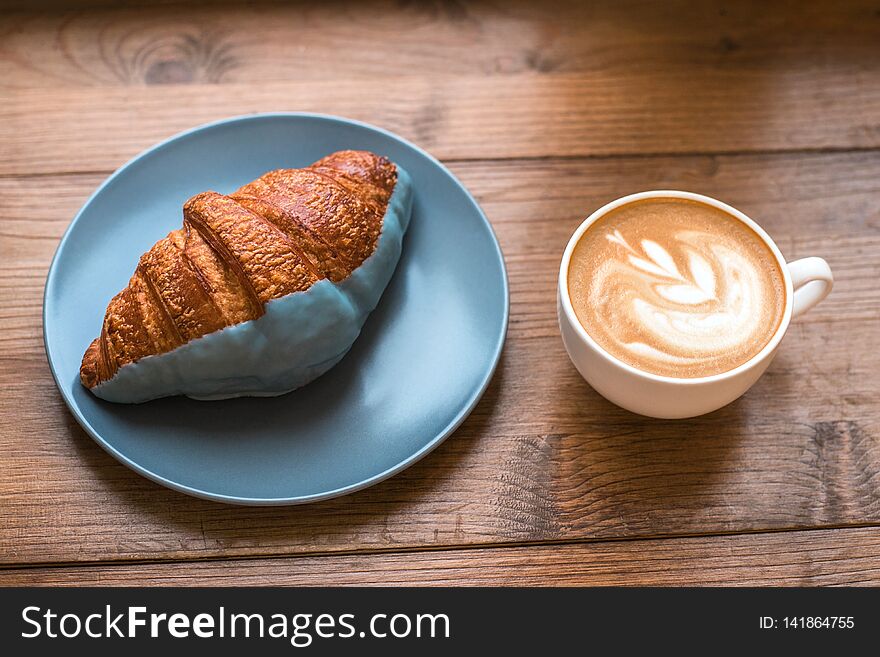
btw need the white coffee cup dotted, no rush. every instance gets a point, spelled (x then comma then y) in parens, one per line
(807, 282)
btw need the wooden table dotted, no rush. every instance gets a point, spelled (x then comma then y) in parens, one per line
(545, 111)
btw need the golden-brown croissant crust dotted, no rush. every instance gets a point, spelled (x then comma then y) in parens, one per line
(274, 236)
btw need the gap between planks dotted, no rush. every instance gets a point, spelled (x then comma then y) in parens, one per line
(420, 549)
(526, 159)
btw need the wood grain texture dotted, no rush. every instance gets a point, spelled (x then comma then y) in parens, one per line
(542, 457)
(138, 43)
(461, 117)
(849, 557)
(466, 82)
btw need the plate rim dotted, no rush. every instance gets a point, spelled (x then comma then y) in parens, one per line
(428, 447)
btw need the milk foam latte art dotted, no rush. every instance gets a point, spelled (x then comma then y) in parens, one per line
(676, 287)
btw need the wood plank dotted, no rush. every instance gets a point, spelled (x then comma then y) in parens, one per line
(848, 557)
(138, 43)
(814, 204)
(466, 117)
(542, 457)
(87, 90)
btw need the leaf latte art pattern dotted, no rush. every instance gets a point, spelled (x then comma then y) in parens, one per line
(676, 288)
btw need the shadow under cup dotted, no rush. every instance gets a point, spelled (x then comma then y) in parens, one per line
(806, 282)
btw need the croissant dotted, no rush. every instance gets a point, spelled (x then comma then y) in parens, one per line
(260, 291)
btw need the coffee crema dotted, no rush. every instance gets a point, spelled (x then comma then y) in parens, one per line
(676, 287)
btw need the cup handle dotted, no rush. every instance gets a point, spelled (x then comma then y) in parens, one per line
(812, 280)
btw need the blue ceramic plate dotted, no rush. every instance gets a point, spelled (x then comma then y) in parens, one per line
(425, 355)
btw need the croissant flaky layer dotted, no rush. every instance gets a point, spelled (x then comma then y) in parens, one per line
(277, 235)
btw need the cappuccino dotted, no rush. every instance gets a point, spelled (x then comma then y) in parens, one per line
(676, 287)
